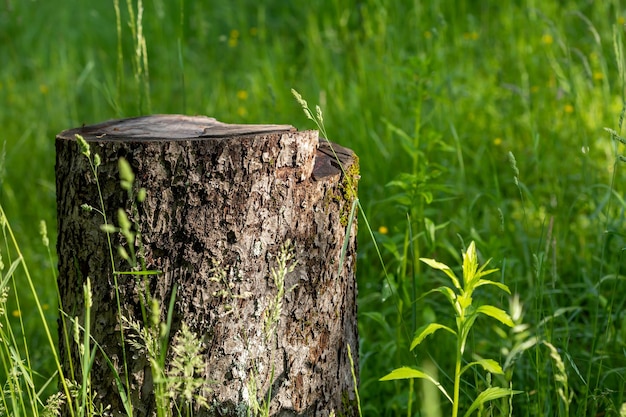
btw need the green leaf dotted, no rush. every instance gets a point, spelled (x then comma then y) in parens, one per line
(427, 331)
(141, 195)
(429, 225)
(23, 372)
(448, 292)
(465, 327)
(434, 264)
(410, 373)
(123, 253)
(489, 394)
(127, 176)
(470, 264)
(121, 389)
(500, 285)
(122, 219)
(108, 228)
(405, 372)
(11, 270)
(442, 267)
(481, 273)
(498, 314)
(408, 143)
(465, 300)
(488, 365)
(396, 183)
(428, 196)
(518, 349)
(377, 317)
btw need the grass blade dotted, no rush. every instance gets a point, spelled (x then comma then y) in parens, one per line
(427, 331)
(487, 395)
(407, 372)
(496, 313)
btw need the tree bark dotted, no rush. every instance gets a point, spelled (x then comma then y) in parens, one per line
(221, 202)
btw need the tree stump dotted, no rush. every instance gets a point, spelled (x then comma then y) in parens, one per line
(221, 201)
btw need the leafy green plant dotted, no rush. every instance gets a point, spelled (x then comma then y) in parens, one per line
(460, 297)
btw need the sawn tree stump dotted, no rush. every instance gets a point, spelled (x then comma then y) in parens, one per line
(221, 202)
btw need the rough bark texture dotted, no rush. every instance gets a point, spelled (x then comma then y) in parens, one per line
(219, 197)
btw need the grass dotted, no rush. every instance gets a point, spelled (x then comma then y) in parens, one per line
(472, 122)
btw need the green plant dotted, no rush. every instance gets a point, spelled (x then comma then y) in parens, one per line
(354, 380)
(460, 297)
(285, 265)
(19, 394)
(121, 380)
(176, 384)
(139, 56)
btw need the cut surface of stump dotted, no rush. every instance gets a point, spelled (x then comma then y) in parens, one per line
(222, 203)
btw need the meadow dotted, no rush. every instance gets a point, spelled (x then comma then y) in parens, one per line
(492, 122)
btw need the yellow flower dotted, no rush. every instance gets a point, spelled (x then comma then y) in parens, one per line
(621, 20)
(242, 95)
(470, 35)
(569, 108)
(43, 89)
(233, 39)
(598, 76)
(428, 34)
(497, 141)
(16, 313)
(547, 39)
(383, 230)
(534, 89)
(241, 111)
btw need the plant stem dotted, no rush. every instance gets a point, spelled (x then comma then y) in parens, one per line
(457, 381)
(94, 170)
(457, 367)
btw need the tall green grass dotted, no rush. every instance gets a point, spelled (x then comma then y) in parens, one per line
(480, 122)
